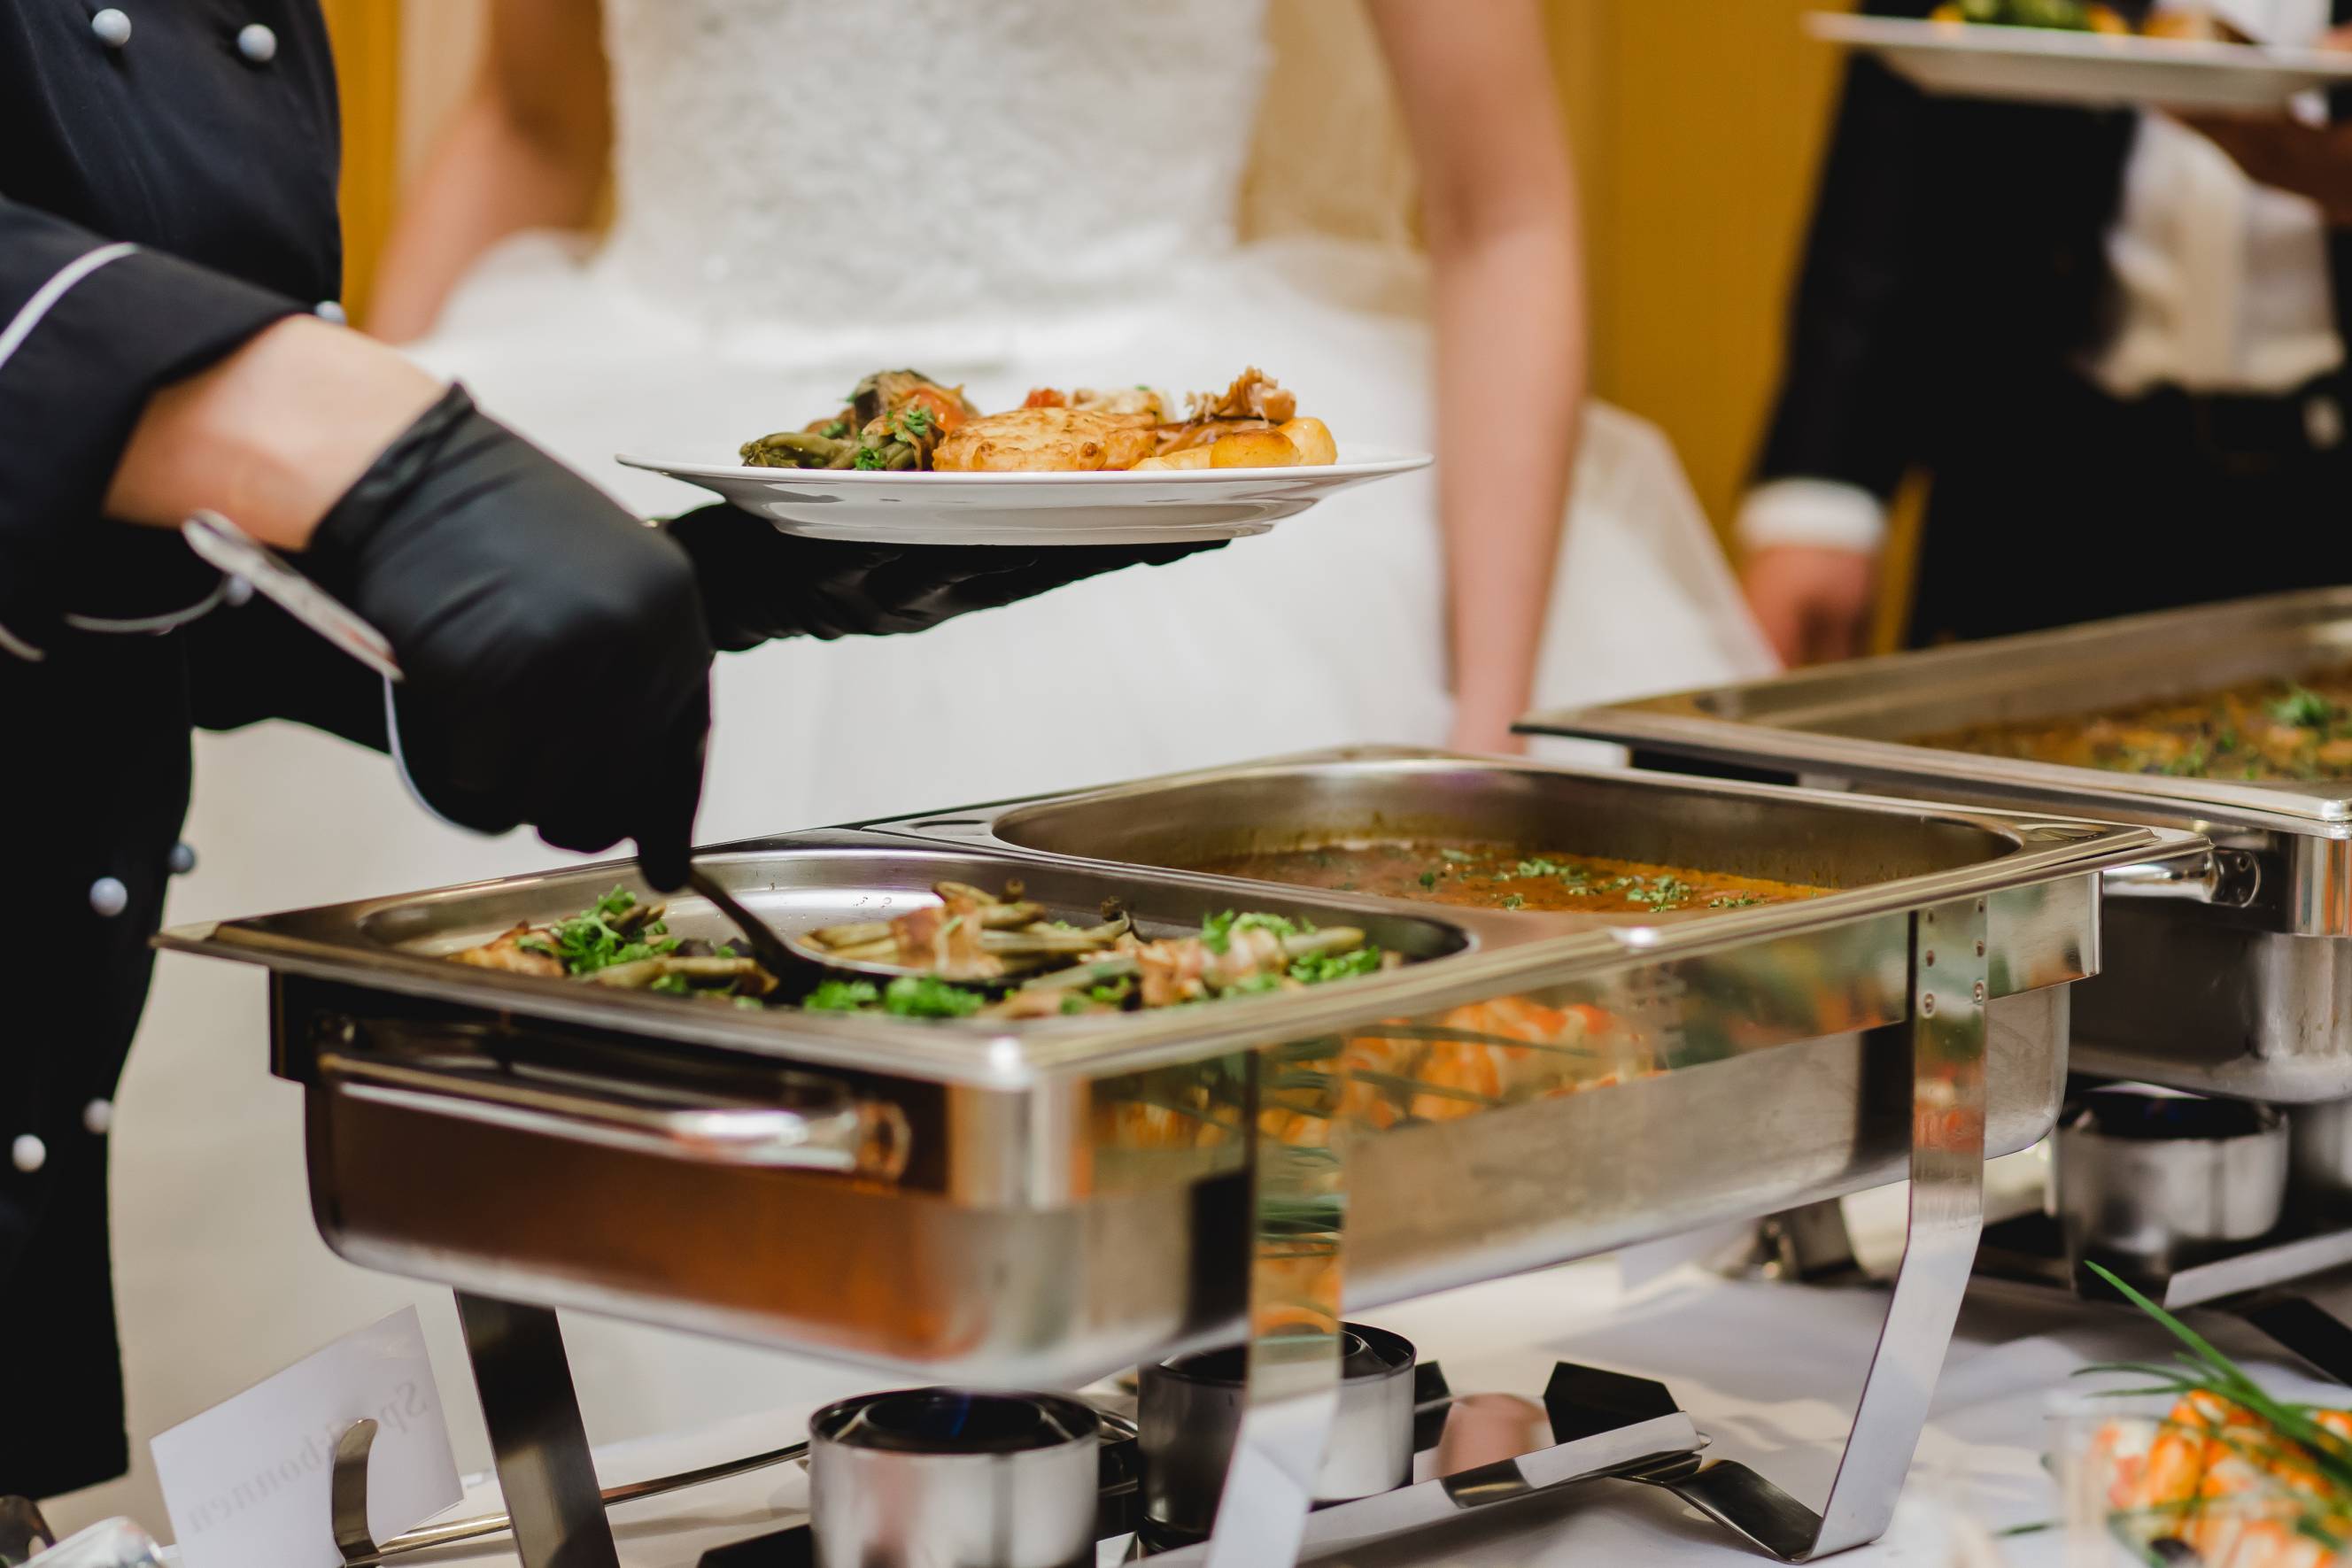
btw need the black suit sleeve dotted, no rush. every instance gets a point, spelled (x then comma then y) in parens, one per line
(88, 330)
(1847, 396)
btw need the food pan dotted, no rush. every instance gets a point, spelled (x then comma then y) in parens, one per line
(2245, 990)
(1035, 1203)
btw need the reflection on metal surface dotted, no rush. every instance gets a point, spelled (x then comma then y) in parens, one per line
(537, 1440)
(1299, 1199)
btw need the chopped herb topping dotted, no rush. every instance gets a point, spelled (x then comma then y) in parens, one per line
(1514, 901)
(838, 430)
(843, 996)
(926, 997)
(2303, 708)
(1319, 968)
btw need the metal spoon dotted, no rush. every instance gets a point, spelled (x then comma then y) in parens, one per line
(774, 953)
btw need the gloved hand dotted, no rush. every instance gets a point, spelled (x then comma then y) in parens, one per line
(556, 659)
(758, 583)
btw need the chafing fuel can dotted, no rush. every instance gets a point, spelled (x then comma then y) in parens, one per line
(945, 1477)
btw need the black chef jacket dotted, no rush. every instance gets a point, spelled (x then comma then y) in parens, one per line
(168, 175)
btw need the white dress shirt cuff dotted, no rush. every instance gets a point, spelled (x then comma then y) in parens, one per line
(1824, 514)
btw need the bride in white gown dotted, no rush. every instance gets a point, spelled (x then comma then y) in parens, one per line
(1009, 192)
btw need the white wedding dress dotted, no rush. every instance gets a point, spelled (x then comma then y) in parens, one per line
(1022, 193)
(1029, 192)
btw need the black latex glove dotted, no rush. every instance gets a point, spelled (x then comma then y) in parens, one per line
(557, 666)
(759, 584)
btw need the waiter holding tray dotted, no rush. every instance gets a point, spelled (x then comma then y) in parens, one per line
(2115, 339)
(169, 344)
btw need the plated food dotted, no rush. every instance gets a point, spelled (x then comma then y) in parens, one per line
(2260, 731)
(1505, 876)
(2088, 54)
(905, 421)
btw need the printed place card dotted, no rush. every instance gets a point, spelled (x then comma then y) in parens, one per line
(250, 1482)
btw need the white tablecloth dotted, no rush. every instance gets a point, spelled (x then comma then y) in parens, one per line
(1769, 1372)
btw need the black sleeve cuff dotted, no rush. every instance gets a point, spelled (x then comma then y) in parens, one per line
(87, 332)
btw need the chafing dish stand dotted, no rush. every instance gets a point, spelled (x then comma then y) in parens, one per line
(1609, 1424)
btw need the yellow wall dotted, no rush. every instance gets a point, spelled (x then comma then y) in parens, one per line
(367, 76)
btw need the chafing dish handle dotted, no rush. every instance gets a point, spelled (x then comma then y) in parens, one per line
(2228, 879)
(846, 1136)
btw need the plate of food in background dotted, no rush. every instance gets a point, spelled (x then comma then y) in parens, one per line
(909, 460)
(2087, 54)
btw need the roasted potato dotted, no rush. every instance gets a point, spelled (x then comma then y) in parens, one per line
(1188, 458)
(1256, 449)
(1313, 439)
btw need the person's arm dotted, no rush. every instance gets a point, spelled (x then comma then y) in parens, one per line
(1812, 529)
(272, 435)
(1500, 197)
(526, 148)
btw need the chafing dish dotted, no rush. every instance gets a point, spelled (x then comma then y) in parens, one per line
(1035, 1204)
(2241, 983)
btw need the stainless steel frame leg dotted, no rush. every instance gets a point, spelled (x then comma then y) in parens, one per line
(1947, 1132)
(2298, 1323)
(540, 1446)
(1293, 1394)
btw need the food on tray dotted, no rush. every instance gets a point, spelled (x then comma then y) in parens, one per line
(2067, 16)
(1505, 876)
(903, 421)
(2266, 731)
(622, 942)
(973, 939)
(2185, 24)
(2228, 1475)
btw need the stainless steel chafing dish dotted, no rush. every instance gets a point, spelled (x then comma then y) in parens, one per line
(2243, 987)
(1043, 1202)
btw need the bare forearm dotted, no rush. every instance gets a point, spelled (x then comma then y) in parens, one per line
(1510, 384)
(271, 437)
(488, 178)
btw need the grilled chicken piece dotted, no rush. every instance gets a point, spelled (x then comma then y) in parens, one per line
(1183, 968)
(1036, 441)
(505, 951)
(945, 939)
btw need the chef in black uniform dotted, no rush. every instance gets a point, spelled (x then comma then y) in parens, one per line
(169, 260)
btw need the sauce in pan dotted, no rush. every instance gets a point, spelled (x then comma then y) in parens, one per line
(2264, 731)
(1505, 876)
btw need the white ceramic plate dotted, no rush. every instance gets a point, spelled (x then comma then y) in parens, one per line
(2093, 69)
(1159, 506)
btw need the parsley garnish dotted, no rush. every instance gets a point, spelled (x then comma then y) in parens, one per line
(2303, 708)
(869, 458)
(842, 996)
(1429, 878)
(836, 431)
(1316, 968)
(1742, 901)
(928, 996)
(1513, 901)
(1217, 931)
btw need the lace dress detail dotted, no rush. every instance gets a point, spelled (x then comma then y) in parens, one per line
(785, 161)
